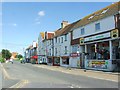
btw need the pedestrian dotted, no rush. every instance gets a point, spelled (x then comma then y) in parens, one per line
(11, 60)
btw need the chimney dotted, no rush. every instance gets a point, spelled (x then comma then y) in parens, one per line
(64, 23)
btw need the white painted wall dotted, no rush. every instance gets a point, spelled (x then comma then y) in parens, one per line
(66, 43)
(105, 25)
(73, 61)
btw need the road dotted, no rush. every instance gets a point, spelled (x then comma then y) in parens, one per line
(19, 75)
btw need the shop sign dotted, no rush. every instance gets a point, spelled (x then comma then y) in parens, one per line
(81, 41)
(74, 54)
(96, 37)
(114, 33)
(97, 64)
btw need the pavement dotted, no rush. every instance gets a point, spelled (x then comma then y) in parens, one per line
(111, 76)
(0, 78)
(28, 75)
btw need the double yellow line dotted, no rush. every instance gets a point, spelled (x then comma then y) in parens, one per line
(20, 84)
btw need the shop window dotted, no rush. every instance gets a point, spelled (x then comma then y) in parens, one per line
(49, 60)
(99, 51)
(65, 61)
(97, 26)
(116, 49)
(57, 61)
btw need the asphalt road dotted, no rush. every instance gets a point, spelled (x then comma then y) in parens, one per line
(19, 75)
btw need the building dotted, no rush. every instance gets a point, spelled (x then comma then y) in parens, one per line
(31, 55)
(14, 54)
(97, 38)
(92, 42)
(28, 54)
(44, 46)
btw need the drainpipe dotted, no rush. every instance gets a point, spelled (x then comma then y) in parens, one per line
(110, 43)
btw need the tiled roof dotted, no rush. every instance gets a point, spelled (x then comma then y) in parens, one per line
(105, 12)
(65, 30)
(50, 35)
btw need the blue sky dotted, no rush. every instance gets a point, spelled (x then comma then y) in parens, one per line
(22, 22)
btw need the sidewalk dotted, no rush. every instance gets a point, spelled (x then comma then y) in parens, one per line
(89, 73)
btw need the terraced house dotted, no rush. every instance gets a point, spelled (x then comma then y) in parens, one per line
(92, 42)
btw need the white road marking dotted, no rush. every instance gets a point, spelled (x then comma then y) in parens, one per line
(103, 78)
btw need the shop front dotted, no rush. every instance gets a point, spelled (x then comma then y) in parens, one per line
(64, 61)
(34, 59)
(50, 60)
(74, 60)
(56, 61)
(101, 51)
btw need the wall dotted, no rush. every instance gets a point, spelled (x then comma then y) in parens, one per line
(105, 25)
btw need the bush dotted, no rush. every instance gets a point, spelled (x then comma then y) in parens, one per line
(2, 60)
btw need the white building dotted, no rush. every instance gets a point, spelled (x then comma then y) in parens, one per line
(97, 36)
(43, 46)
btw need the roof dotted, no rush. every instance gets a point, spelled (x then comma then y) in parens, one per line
(50, 35)
(29, 47)
(65, 30)
(105, 12)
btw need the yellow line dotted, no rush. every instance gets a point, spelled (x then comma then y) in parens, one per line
(20, 84)
(6, 75)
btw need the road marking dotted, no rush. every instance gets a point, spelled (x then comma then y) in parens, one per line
(103, 78)
(6, 75)
(20, 84)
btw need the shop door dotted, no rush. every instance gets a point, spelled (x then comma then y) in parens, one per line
(82, 60)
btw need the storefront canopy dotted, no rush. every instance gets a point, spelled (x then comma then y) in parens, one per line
(34, 57)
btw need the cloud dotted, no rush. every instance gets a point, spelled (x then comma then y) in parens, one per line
(41, 13)
(38, 22)
(14, 24)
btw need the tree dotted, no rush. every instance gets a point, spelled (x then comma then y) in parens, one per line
(19, 56)
(6, 54)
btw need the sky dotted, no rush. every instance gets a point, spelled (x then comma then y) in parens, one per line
(23, 21)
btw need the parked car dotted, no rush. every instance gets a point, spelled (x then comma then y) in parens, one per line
(22, 61)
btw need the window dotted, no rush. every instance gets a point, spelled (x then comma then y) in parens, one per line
(50, 52)
(75, 49)
(65, 49)
(82, 31)
(97, 26)
(61, 39)
(65, 37)
(65, 61)
(56, 39)
(50, 42)
(56, 51)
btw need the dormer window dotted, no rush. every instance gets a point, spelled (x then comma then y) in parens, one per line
(91, 17)
(104, 11)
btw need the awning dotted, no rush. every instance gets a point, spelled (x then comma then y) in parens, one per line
(34, 57)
